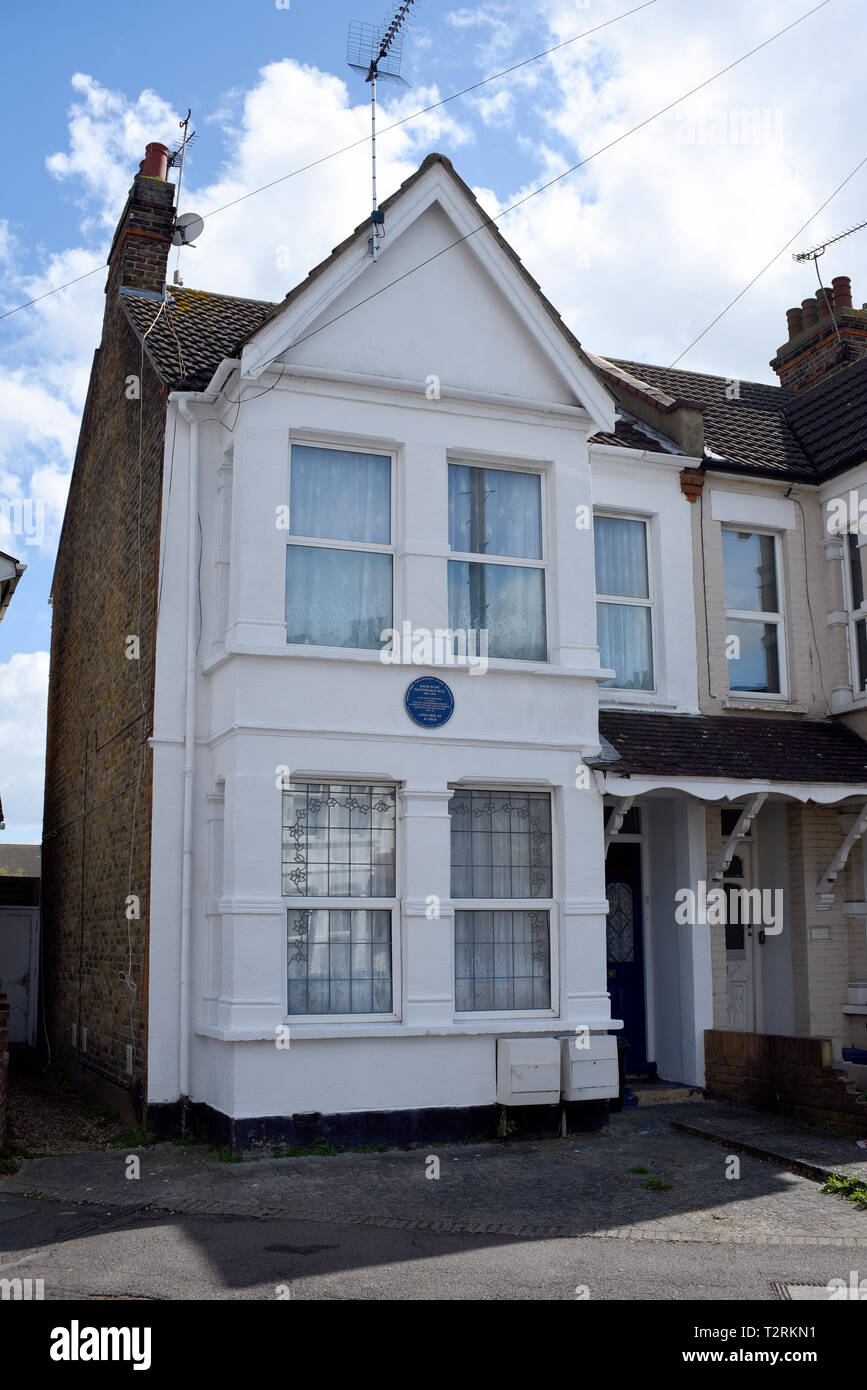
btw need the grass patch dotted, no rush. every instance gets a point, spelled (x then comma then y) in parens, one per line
(850, 1189)
(372, 1148)
(639, 1169)
(656, 1185)
(324, 1148)
(135, 1138)
(321, 1148)
(225, 1155)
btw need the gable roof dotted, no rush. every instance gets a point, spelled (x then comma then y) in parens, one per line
(197, 329)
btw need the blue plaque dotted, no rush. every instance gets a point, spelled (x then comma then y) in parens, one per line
(429, 701)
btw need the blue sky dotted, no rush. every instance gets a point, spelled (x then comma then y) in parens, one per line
(639, 251)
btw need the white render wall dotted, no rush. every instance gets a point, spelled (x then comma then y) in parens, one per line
(263, 706)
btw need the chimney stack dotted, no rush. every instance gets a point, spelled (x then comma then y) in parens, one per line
(813, 350)
(140, 250)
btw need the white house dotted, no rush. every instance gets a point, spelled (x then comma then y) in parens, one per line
(351, 910)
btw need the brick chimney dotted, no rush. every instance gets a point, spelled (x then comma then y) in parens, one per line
(814, 350)
(140, 250)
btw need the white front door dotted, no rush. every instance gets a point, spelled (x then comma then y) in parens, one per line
(19, 969)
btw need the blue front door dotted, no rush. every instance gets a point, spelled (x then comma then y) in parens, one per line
(626, 948)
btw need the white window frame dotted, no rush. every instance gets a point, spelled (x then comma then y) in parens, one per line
(548, 905)
(649, 602)
(325, 543)
(854, 616)
(391, 905)
(479, 557)
(752, 615)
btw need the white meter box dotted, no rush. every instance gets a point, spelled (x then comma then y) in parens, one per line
(528, 1071)
(589, 1067)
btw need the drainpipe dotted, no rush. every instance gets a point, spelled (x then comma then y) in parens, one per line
(184, 1041)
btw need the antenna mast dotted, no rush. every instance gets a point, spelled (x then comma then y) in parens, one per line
(376, 52)
(814, 254)
(820, 250)
(188, 225)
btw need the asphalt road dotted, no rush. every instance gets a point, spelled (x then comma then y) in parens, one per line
(87, 1253)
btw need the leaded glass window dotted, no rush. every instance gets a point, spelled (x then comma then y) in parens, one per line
(501, 844)
(339, 961)
(339, 846)
(502, 961)
(338, 840)
(500, 859)
(620, 923)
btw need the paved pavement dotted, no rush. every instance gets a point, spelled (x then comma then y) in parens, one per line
(520, 1220)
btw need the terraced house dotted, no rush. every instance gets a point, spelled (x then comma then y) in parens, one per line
(412, 667)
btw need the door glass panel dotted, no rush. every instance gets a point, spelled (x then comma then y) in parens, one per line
(620, 924)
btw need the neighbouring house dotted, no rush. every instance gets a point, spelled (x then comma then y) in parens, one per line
(408, 614)
(761, 792)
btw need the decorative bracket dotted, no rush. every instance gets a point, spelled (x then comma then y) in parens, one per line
(825, 889)
(615, 820)
(745, 820)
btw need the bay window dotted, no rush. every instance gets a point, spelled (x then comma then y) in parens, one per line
(501, 885)
(339, 867)
(496, 513)
(338, 556)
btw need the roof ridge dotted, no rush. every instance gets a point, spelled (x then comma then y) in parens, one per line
(220, 294)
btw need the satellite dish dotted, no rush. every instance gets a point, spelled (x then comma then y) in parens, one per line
(188, 227)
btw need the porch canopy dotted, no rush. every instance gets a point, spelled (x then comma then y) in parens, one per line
(716, 757)
(736, 758)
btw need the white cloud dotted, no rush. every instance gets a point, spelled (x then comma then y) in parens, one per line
(639, 249)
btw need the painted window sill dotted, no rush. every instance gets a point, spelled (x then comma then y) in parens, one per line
(767, 706)
(496, 665)
(305, 1032)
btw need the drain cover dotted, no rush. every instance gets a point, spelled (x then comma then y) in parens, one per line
(803, 1293)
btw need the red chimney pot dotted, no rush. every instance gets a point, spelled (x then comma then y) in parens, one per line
(155, 164)
(842, 292)
(795, 321)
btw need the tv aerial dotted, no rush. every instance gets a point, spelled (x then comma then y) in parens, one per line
(820, 250)
(189, 226)
(813, 255)
(376, 51)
